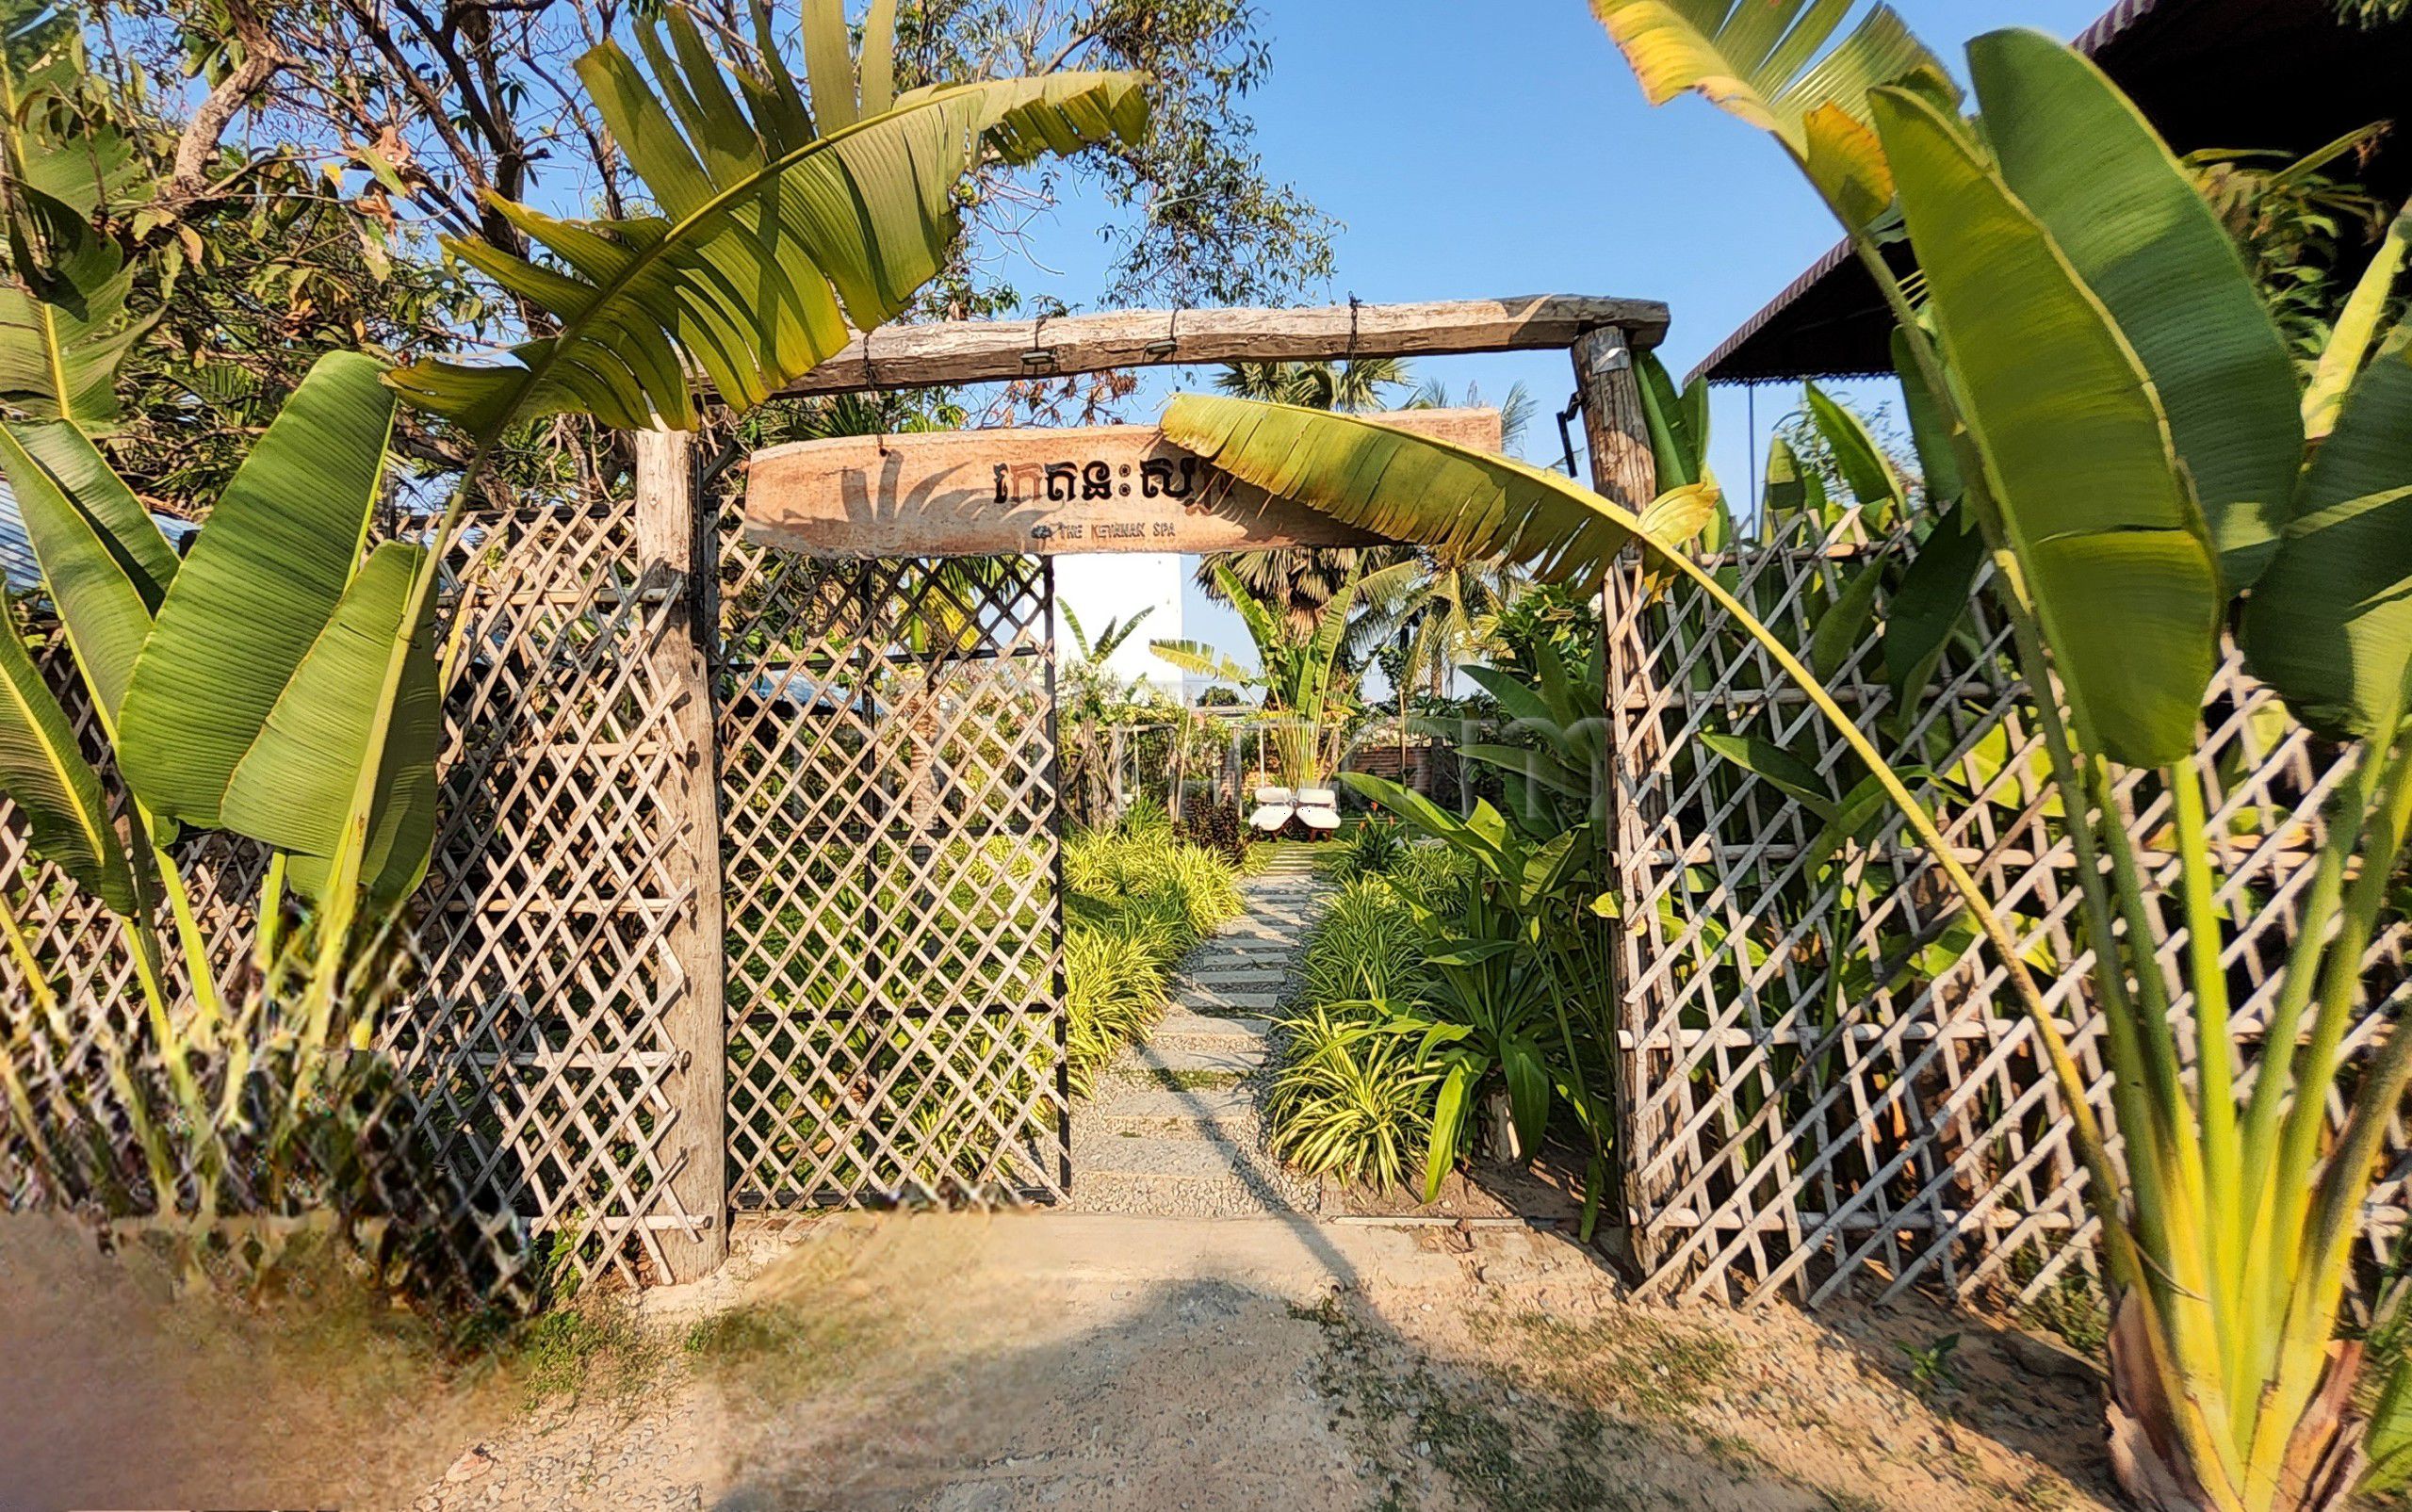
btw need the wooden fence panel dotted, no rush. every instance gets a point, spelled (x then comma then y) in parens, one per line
(539, 1049)
(1789, 1125)
(891, 818)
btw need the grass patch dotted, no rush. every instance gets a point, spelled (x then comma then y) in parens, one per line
(2070, 1306)
(1631, 1363)
(591, 1349)
(1501, 1451)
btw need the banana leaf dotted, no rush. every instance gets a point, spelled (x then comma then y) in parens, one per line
(2359, 326)
(63, 337)
(1458, 503)
(256, 590)
(1768, 62)
(2093, 500)
(1928, 432)
(1930, 602)
(1843, 626)
(297, 785)
(1873, 482)
(2329, 625)
(767, 232)
(103, 562)
(2084, 160)
(44, 774)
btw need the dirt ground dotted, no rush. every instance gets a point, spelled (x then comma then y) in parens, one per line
(1054, 1361)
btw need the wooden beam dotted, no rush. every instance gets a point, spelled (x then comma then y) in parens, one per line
(1623, 470)
(1041, 491)
(981, 352)
(678, 549)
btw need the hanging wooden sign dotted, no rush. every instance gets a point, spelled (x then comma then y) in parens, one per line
(1044, 492)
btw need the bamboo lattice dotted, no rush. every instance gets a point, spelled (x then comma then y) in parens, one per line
(890, 801)
(1789, 1127)
(891, 817)
(529, 1048)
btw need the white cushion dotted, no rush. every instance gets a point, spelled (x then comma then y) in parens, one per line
(1275, 795)
(1320, 818)
(1318, 798)
(1272, 816)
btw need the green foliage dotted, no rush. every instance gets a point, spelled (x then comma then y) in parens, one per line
(1354, 1097)
(1353, 1100)
(1930, 1364)
(1304, 675)
(2295, 221)
(1137, 899)
(281, 683)
(1369, 849)
(1368, 944)
(1114, 983)
(776, 231)
(2130, 439)
(1203, 224)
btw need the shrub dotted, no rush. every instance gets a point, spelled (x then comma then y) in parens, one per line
(1206, 887)
(1352, 1101)
(1370, 850)
(1145, 816)
(1137, 899)
(1214, 826)
(1432, 876)
(1368, 944)
(1114, 986)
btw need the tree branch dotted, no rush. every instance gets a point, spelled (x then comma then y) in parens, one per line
(189, 182)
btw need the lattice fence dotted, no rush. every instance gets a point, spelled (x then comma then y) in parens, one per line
(895, 944)
(1791, 1125)
(530, 1047)
(538, 1048)
(61, 1064)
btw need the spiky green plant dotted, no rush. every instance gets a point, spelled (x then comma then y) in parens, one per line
(1366, 944)
(2132, 440)
(1353, 1100)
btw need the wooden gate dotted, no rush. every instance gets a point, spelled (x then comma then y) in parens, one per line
(890, 824)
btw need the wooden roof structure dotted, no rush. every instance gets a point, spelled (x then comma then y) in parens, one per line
(2288, 74)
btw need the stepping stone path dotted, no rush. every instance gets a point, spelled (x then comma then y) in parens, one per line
(1176, 1128)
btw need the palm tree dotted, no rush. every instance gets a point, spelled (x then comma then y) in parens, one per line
(1110, 639)
(1304, 677)
(1300, 582)
(1348, 386)
(1448, 610)
(1446, 613)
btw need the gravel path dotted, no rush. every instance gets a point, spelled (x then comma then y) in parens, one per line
(1176, 1128)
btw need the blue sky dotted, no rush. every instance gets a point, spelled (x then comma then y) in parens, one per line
(1504, 148)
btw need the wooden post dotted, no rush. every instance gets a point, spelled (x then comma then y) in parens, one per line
(1623, 470)
(1613, 423)
(680, 550)
(1116, 796)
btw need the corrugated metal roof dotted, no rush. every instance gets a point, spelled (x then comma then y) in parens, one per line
(2243, 73)
(17, 548)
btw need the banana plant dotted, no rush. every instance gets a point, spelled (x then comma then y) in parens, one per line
(279, 683)
(2130, 434)
(1511, 970)
(2094, 328)
(231, 692)
(1302, 677)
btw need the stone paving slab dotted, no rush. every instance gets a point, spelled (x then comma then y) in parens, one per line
(1176, 1126)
